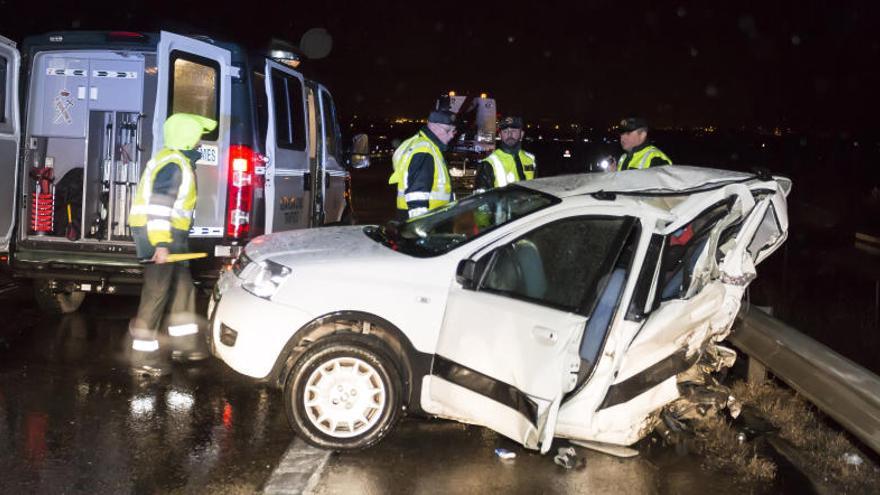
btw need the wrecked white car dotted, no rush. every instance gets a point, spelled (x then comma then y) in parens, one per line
(561, 307)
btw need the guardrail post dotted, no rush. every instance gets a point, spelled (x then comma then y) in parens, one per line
(757, 372)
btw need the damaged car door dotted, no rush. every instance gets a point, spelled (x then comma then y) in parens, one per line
(706, 261)
(508, 349)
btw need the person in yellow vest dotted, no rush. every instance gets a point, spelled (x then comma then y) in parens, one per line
(160, 218)
(509, 163)
(638, 152)
(420, 171)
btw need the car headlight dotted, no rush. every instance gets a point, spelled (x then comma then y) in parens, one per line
(269, 276)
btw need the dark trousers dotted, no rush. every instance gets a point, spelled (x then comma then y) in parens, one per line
(170, 286)
(167, 290)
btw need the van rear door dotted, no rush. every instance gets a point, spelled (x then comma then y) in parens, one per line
(196, 77)
(288, 183)
(9, 138)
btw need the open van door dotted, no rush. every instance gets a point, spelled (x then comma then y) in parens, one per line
(332, 202)
(196, 77)
(9, 138)
(288, 185)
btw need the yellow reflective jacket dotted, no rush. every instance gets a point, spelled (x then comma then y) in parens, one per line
(159, 212)
(441, 187)
(504, 166)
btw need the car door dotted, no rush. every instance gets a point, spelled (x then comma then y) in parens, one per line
(765, 229)
(688, 296)
(196, 77)
(287, 188)
(9, 138)
(508, 349)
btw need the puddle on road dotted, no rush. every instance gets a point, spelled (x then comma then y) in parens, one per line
(72, 418)
(433, 456)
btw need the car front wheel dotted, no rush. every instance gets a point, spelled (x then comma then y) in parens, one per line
(343, 394)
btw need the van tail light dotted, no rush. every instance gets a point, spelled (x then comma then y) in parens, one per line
(240, 187)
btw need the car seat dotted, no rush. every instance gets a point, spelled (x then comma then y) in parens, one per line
(532, 280)
(597, 325)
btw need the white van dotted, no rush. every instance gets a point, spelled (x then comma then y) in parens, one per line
(82, 112)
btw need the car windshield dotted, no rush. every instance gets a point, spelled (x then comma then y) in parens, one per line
(446, 228)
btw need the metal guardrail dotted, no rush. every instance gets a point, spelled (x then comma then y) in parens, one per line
(842, 389)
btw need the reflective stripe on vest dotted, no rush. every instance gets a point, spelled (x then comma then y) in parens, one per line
(642, 158)
(441, 188)
(504, 167)
(159, 219)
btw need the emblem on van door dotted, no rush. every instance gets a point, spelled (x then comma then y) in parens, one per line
(288, 202)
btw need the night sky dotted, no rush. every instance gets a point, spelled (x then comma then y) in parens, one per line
(811, 66)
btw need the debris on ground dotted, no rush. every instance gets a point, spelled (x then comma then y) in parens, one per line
(824, 449)
(505, 454)
(566, 457)
(724, 448)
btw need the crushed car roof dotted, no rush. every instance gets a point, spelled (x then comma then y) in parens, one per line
(658, 180)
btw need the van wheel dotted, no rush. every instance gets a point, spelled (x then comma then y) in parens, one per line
(343, 394)
(56, 303)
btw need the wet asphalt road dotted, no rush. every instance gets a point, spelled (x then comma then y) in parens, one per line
(73, 420)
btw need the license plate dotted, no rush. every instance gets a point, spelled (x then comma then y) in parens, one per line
(222, 251)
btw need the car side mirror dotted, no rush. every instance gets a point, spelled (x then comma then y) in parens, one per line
(466, 274)
(360, 152)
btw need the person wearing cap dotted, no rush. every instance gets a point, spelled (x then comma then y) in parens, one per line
(508, 163)
(420, 171)
(638, 152)
(160, 218)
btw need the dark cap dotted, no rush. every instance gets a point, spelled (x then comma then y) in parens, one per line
(442, 117)
(632, 123)
(510, 122)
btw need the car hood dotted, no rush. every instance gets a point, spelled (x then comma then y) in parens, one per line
(297, 247)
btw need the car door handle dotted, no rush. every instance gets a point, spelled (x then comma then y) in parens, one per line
(544, 334)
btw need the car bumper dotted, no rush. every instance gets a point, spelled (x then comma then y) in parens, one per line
(249, 333)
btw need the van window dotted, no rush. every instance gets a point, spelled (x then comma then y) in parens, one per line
(287, 98)
(262, 103)
(330, 129)
(195, 87)
(279, 104)
(3, 84)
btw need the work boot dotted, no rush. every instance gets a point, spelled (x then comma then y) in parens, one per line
(148, 364)
(184, 357)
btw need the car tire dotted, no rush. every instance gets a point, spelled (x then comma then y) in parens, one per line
(56, 303)
(360, 408)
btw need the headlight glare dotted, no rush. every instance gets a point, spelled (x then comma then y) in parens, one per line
(265, 282)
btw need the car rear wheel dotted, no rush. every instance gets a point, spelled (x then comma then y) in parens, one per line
(343, 394)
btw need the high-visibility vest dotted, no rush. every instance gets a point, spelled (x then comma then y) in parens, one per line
(161, 218)
(504, 166)
(642, 159)
(441, 188)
